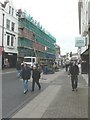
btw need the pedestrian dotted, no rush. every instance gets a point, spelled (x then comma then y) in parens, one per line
(67, 63)
(35, 77)
(18, 68)
(25, 74)
(74, 72)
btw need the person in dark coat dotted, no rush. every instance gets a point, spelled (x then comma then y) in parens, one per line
(35, 77)
(25, 74)
(74, 71)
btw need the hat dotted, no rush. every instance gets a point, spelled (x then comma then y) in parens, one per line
(22, 64)
(34, 66)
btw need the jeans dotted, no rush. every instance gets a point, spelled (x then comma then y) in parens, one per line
(25, 83)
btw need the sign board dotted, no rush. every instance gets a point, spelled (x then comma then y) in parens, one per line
(80, 42)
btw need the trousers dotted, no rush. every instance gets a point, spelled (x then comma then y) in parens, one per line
(25, 83)
(74, 81)
(33, 84)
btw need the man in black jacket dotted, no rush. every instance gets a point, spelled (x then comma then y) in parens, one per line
(36, 77)
(74, 71)
(25, 74)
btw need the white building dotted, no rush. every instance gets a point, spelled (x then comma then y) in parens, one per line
(8, 33)
(83, 9)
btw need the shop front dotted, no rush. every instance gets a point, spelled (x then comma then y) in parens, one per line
(9, 60)
(85, 62)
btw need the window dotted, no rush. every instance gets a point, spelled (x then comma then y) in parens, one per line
(8, 40)
(12, 40)
(27, 59)
(13, 26)
(33, 60)
(8, 24)
(9, 9)
(12, 11)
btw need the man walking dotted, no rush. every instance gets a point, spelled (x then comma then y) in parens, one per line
(25, 74)
(36, 77)
(74, 71)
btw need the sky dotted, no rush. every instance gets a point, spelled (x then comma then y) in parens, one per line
(59, 17)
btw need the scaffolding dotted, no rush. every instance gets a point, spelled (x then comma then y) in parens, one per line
(34, 37)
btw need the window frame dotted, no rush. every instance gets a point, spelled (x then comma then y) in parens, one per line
(9, 9)
(12, 40)
(12, 11)
(8, 40)
(13, 26)
(8, 24)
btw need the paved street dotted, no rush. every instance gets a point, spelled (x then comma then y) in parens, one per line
(12, 93)
(58, 100)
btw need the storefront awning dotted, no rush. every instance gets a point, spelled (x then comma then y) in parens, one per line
(86, 52)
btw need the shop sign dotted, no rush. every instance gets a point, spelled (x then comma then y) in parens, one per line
(80, 42)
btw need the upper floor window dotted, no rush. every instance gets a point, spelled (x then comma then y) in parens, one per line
(13, 26)
(8, 24)
(9, 9)
(12, 40)
(12, 11)
(8, 40)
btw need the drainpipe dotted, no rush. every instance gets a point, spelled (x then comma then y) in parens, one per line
(3, 30)
(89, 56)
(89, 43)
(2, 39)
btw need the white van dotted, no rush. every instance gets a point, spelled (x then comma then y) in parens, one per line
(30, 60)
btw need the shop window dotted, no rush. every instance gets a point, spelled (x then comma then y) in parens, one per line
(8, 40)
(8, 24)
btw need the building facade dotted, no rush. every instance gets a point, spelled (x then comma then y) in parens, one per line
(33, 40)
(8, 33)
(83, 10)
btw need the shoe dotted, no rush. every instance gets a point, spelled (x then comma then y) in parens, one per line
(72, 89)
(25, 91)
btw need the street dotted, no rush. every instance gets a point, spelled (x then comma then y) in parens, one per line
(64, 98)
(12, 93)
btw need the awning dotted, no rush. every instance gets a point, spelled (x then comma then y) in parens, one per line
(86, 52)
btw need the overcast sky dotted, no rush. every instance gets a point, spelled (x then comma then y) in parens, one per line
(59, 17)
